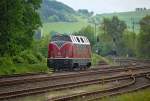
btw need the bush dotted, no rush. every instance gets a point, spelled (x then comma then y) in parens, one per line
(18, 59)
(6, 66)
(6, 61)
(39, 56)
(29, 57)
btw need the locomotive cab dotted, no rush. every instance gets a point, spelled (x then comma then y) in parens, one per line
(68, 52)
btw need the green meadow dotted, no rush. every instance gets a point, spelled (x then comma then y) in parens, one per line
(63, 27)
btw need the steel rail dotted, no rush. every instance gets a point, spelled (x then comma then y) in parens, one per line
(76, 74)
(102, 93)
(80, 95)
(58, 87)
(121, 92)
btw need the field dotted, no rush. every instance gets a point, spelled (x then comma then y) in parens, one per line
(23, 68)
(63, 27)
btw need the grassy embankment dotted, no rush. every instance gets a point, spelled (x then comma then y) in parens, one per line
(23, 68)
(25, 62)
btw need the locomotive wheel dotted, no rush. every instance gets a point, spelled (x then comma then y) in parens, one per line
(71, 69)
(88, 65)
(75, 66)
(81, 68)
(56, 70)
(85, 67)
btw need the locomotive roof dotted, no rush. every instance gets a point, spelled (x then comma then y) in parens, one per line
(71, 38)
(79, 39)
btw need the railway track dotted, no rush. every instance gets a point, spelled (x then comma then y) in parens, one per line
(55, 87)
(37, 83)
(129, 61)
(10, 94)
(148, 76)
(14, 80)
(133, 85)
(19, 79)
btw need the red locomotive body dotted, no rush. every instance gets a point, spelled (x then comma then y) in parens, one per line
(69, 52)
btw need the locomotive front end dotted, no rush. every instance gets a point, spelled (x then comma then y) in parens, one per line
(60, 52)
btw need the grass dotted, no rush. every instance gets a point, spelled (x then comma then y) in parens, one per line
(63, 27)
(23, 68)
(97, 58)
(143, 95)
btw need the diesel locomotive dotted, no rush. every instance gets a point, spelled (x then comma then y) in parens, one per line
(69, 52)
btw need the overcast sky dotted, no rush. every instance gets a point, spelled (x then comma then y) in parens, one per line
(106, 6)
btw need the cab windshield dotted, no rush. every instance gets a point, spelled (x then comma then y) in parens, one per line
(61, 38)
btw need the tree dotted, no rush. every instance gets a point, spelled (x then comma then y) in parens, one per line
(10, 25)
(18, 21)
(89, 33)
(85, 12)
(129, 39)
(145, 24)
(31, 21)
(143, 43)
(115, 28)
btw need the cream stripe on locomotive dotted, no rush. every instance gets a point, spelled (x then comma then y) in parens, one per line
(54, 42)
(79, 40)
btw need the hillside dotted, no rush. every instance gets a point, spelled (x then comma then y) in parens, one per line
(58, 17)
(132, 17)
(54, 11)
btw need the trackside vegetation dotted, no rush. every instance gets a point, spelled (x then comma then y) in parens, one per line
(97, 58)
(142, 95)
(18, 21)
(23, 69)
(25, 62)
